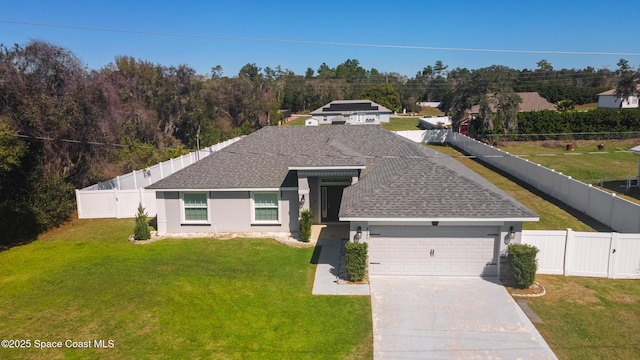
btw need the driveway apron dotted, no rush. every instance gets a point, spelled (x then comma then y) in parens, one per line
(425, 317)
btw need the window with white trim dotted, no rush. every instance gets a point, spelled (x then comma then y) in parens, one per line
(195, 207)
(265, 207)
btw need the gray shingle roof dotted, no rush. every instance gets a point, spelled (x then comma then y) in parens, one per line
(402, 179)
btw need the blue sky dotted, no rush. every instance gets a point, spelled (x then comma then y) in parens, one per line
(561, 25)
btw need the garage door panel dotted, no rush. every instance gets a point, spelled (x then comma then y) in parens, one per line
(459, 251)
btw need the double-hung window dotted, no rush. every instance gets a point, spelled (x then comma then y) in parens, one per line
(195, 207)
(265, 207)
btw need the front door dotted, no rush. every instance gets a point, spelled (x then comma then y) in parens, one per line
(331, 198)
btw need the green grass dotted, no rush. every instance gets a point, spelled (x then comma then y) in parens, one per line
(587, 318)
(403, 123)
(609, 169)
(552, 216)
(194, 298)
(585, 107)
(579, 164)
(299, 121)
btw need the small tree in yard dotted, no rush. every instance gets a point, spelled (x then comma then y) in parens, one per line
(522, 258)
(141, 230)
(356, 260)
(306, 217)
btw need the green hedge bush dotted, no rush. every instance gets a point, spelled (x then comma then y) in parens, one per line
(141, 230)
(306, 218)
(356, 259)
(522, 259)
(597, 120)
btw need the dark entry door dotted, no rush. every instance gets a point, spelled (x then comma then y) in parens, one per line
(331, 198)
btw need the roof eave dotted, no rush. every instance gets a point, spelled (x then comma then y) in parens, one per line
(439, 218)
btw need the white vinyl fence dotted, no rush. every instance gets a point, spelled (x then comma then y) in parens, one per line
(120, 196)
(426, 136)
(593, 254)
(619, 214)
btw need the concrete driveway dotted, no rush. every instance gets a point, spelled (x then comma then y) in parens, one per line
(424, 317)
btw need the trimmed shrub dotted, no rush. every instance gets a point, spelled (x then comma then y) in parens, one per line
(522, 258)
(306, 217)
(356, 259)
(141, 229)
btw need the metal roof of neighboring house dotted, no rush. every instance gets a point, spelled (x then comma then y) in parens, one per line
(531, 101)
(399, 178)
(338, 107)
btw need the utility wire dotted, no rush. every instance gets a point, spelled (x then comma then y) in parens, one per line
(309, 42)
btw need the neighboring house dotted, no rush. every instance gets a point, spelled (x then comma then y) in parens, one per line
(354, 112)
(421, 212)
(610, 100)
(531, 101)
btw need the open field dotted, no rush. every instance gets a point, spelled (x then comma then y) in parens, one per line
(585, 162)
(589, 318)
(195, 298)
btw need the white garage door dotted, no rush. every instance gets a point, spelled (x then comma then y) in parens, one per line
(430, 250)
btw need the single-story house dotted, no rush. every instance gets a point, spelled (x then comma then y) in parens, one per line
(610, 100)
(422, 213)
(531, 101)
(354, 112)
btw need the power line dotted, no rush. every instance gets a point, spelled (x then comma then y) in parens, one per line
(93, 143)
(326, 43)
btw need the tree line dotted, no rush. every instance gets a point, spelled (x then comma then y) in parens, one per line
(63, 126)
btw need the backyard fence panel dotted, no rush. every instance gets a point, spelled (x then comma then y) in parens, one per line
(413, 135)
(96, 204)
(127, 203)
(626, 258)
(167, 168)
(625, 216)
(578, 195)
(128, 181)
(589, 254)
(600, 205)
(564, 184)
(545, 183)
(143, 178)
(436, 136)
(552, 249)
(148, 198)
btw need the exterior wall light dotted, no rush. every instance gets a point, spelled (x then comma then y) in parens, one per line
(302, 200)
(512, 233)
(358, 235)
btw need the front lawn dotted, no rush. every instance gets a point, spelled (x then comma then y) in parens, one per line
(193, 298)
(588, 318)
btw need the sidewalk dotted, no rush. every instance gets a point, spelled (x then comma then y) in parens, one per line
(327, 280)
